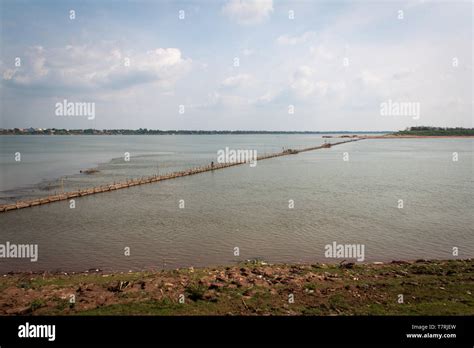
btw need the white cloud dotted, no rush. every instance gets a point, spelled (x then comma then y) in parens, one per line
(220, 100)
(264, 99)
(95, 67)
(246, 52)
(304, 84)
(295, 40)
(237, 81)
(369, 78)
(248, 11)
(321, 52)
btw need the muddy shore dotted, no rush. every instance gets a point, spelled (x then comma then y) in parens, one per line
(252, 288)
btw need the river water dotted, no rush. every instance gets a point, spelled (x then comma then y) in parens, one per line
(353, 201)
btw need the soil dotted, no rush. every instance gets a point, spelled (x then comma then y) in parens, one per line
(252, 288)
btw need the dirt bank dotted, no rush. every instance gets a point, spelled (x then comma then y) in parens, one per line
(253, 288)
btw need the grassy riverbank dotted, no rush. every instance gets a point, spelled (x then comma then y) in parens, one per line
(428, 288)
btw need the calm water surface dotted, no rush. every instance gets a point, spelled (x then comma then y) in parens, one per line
(351, 201)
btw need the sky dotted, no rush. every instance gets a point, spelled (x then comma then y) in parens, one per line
(237, 64)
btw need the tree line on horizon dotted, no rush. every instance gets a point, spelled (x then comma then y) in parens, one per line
(145, 131)
(425, 130)
(419, 130)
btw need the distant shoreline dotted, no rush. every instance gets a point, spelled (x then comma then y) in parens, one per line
(395, 136)
(369, 135)
(171, 132)
(412, 132)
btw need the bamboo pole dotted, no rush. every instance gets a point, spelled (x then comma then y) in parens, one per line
(153, 178)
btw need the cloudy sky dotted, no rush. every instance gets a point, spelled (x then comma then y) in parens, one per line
(334, 62)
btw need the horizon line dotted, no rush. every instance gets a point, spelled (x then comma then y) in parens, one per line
(199, 130)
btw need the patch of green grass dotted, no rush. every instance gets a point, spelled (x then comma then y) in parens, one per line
(338, 302)
(424, 308)
(151, 307)
(37, 303)
(321, 310)
(262, 300)
(62, 304)
(6, 283)
(78, 279)
(25, 285)
(195, 291)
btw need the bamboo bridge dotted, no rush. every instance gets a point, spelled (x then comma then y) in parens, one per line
(154, 178)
